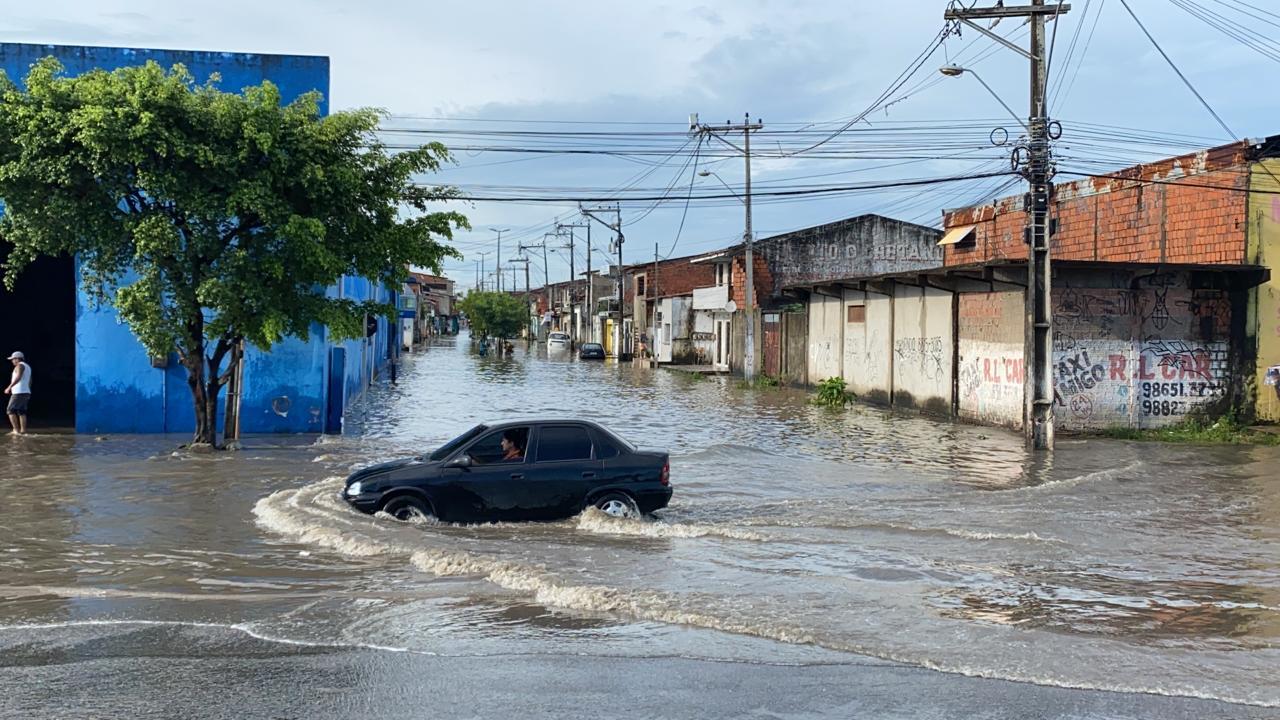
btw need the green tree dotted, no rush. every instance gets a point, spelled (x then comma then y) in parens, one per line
(494, 314)
(209, 218)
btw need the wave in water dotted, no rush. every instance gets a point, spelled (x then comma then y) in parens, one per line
(314, 514)
(594, 521)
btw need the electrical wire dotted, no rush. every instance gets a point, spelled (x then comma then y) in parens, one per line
(1167, 59)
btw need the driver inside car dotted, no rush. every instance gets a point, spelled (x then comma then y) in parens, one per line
(512, 446)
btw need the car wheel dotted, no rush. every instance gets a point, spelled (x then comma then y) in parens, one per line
(616, 504)
(407, 507)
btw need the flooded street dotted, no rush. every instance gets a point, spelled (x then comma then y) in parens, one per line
(798, 538)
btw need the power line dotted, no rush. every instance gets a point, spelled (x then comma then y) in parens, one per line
(1167, 59)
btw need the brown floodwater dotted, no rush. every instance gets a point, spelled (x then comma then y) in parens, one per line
(796, 534)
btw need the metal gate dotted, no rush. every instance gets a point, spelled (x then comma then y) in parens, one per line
(772, 327)
(795, 352)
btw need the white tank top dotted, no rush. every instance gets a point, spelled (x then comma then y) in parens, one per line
(24, 385)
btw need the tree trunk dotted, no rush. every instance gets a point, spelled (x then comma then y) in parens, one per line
(204, 401)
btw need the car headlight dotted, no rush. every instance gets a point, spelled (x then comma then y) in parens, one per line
(354, 488)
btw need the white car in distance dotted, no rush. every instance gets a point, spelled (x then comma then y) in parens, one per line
(558, 341)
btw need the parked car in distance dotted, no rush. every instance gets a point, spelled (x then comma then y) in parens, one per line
(591, 351)
(557, 341)
(519, 470)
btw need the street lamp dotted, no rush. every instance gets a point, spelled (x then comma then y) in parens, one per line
(954, 70)
(712, 173)
(498, 261)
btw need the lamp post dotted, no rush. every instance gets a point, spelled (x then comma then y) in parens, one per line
(498, 260)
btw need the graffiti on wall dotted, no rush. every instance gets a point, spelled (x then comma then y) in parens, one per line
(992, 371)
(1145, 356)
(922, 353)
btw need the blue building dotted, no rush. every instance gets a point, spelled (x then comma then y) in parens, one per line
(91, 372)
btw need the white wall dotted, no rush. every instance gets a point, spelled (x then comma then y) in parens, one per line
(923, 348)
(868, 346)
(992, 367)
(826, 337)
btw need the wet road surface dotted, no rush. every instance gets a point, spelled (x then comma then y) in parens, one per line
(812, 563)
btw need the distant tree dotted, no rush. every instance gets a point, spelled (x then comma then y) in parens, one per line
(494, 314)
(208, 218)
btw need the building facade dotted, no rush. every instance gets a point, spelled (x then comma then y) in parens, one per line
(91, 371)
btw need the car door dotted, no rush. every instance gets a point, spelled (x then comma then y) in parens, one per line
(564, 467)
(491, 487)
(614, 467)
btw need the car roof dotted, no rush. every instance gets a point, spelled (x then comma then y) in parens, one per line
(542, 421)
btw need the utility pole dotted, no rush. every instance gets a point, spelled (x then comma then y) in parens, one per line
(546, 292)
(1038, 169)
(572, 278)
(573, 308)
(616, 227)
(522, 260)
(482, 273)
(746, 128)
(590, 309)
(498, 261)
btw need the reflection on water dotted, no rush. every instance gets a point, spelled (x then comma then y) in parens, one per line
(1106, 564)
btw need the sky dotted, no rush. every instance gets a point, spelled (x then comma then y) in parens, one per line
(444, 70)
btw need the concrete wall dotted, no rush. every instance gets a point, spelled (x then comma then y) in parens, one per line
(868, 346)
(1264, 250)
(923, 347)
(863, 246)
(826, 337)
(1144, 357)
(991, 364)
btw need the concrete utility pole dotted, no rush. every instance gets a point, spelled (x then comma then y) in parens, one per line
(616, 227)
(480, 279)
(570, 227)
(1038, 169)
(573, 277)
(746, 128)
(498, 261)
(522, 260)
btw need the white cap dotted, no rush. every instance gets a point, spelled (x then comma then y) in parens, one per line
(17, 356)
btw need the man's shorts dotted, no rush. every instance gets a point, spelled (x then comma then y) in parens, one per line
(18, 403)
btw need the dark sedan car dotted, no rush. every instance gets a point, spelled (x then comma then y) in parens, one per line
(591, 351)
(535, 470)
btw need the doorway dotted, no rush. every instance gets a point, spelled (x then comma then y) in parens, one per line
(40, 321)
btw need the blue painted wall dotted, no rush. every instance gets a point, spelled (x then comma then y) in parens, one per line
(285, 390)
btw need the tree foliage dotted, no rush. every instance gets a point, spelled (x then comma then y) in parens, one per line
(494, 314)
(208, 218)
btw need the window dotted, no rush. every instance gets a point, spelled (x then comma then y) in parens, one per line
(490, 449)
(605, 448)
(857, 313)
(640, 286)
(563, 442)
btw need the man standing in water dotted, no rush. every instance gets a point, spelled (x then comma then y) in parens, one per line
(19, 392)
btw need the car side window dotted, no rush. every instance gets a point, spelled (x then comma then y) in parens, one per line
(605, 449)
(563, 442)
(500, 446)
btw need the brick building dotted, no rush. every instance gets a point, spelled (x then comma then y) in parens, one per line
(1163, 299)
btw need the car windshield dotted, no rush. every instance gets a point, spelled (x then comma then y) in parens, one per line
(455, 443)
(593, 346)
(559, 336)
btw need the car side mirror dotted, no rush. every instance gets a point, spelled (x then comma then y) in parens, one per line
(462, 461)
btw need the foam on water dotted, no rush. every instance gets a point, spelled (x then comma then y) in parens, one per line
(315, 515)
(593, 520)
